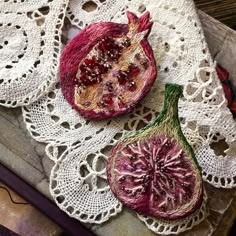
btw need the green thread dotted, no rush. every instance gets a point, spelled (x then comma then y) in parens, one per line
(167, 121)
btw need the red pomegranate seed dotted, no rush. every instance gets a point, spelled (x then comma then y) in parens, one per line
(109, 86)
(133, 70)
(132, 86)
(84, 80)
(83, 68)
(90, 62)
(121, 103)
(106, 101)
(106, 44)
(122, 76)
(103, 46)
(102, 69)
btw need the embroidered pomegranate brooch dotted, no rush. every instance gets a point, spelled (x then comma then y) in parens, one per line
(154, 171)
(108, 67)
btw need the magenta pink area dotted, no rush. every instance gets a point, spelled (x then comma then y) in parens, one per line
(153, 177)
(78, 49)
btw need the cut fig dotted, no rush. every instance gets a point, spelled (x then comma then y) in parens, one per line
(108, 67)
(154, 171)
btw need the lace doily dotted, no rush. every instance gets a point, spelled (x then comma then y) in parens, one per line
(82, 13)
(29, 49)
(166, 227)
(80, 147)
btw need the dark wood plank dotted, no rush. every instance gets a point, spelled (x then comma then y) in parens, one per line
(72, 226)
(222, 10)
(6, 232)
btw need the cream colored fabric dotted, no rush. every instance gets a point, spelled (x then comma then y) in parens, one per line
(30, 32)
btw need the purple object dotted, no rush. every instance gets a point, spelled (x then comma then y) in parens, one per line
(70, 225)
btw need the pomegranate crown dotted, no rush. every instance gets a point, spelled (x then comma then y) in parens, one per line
(140, 24)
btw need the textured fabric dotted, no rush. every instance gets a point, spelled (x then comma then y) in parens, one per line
(29, 49)
(80, 147)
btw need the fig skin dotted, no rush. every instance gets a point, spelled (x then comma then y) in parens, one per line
(84, 42)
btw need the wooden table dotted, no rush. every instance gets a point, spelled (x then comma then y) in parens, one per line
(27, 158)
(222, 10)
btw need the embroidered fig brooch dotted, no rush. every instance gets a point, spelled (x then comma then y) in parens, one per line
(108, 67)
(155, 171)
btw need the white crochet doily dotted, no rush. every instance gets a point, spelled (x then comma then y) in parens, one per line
(80, 147)
(30, 47)
(166, 227)
(99, 10)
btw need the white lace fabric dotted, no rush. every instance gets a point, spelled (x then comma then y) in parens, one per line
(80, 147)
(29, 49)
(166, 227)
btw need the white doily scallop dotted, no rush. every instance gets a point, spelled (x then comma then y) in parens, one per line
(78, 146)
(83, 192)
(29, 49)
(166, 227)
(80, 15)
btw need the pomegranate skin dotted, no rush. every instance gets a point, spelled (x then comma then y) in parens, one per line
(81, 47)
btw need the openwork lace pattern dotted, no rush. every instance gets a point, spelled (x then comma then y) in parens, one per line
(79, 16)
(166, 227)
(29, 49)
(80, 147)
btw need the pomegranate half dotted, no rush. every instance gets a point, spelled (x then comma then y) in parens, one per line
(154, 171)
(108, 67)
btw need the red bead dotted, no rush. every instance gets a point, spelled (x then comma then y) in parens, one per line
(106, 101)
(132, 86)
(102, 69)
(102, 46)
(122, 77)
(88, 80)
(90, 62)
(83, 68)
(133, 70)
(121, 104)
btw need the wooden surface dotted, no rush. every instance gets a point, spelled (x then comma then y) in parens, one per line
(222, 10)
(42, 203)
(27, 158)
(20, 217)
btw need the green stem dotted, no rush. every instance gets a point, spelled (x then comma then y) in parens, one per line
(169, 111)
